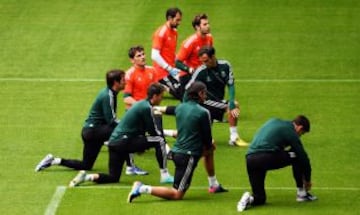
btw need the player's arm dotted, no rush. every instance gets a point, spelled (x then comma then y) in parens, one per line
(231, 89)
(128, 99)
(155, 56)
(301, 155)
(129, 88)
(150, 124)
(168, 110)
(234, 111)
(179, 64)
(109, 111)
(205, 130)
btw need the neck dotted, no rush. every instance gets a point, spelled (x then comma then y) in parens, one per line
(139, 66)
(201, 34)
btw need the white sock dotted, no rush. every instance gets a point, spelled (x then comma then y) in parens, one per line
(164, 173)
(89, 177)
(213, 182)
(145, 189)
(251, 199)
(233, 133)
(56, 161)
(169, 132)
(301, 191)
(167, 147)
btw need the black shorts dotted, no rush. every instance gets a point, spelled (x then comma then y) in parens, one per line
(184, 169)
(174, 86)
(216, 109)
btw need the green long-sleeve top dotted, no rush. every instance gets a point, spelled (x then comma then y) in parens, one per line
(138, 120)
(276, 135)
(194, 129)
(103, 109)
(216, 79)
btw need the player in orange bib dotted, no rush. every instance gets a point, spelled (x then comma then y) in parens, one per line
(138, 78)
(187, 58)
(163, 51)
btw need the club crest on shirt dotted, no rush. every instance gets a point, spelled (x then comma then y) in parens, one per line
(223, 74)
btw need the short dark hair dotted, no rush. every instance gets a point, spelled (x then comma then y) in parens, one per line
(209, 50)
(114, 75)
(155, 89)
(304, 121)
(194, 89)
(134, 49)
(171, 12)
(197, 19)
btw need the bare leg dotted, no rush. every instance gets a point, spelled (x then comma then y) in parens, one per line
(167, 193)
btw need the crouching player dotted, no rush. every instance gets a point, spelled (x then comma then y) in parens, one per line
(194, 139)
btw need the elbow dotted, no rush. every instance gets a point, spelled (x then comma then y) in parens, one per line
(154, 54)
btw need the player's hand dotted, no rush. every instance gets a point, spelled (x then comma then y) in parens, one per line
(191, 70)
(235, 112)
(173, 71)
(161, 109)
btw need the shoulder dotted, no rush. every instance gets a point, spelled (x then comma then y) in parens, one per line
(200, 70)
(189, 41)
(224, 62)
(139, 106)
(225, 65)
(203, 112)
(150, 68)
(161, 31)
(104, 94)
(129, 72)
(209, 38)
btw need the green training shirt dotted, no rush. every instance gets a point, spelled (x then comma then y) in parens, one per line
(138, 120)
(194, 129)
(103, 110)
(216, 79)
(276, 135)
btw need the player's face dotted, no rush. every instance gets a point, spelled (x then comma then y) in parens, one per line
(299, 130)
(139, 59)
(204, 26)
(209, 62)
(202, 96)
(175, 22)
(120, 85)
(157, 99)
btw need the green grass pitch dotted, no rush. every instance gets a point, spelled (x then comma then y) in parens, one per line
(288, 56)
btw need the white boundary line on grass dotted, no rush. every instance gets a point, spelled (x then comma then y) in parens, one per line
(237, 80)
(60, 191)
(230, 188)
(55, 200)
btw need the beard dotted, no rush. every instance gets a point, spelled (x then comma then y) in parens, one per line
(174, 25)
